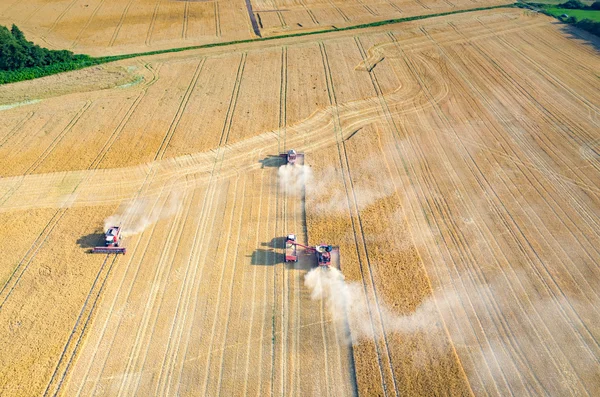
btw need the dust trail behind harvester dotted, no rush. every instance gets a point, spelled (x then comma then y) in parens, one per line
(347, 304)
(135, 216)
(293, 178)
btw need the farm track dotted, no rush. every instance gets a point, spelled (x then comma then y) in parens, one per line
(457, 181)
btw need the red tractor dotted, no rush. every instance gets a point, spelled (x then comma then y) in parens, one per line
(323, 252)
(112, 240)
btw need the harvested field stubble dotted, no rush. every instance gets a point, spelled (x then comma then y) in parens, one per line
(453, 160)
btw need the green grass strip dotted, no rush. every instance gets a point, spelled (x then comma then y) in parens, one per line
(32, 73)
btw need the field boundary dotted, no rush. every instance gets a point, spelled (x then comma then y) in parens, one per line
(33, 73)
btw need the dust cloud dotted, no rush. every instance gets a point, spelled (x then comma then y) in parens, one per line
(134, 217)
(293, 178)
(346, 303)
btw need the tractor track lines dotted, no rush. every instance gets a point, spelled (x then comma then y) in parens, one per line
(232, 283)
(60, 17)
(148, 40)
(120, 24)
(539, 259)
(459, 242)
(542, 195)
(392, 124)
(57, 216)
(131, 260)
(309, 12)
(87, 24)
(254, 280)
(183, 222)
(217, 19)
(574, 200)
(233, 102)
(430, 206)
(180, 110)
(356, 232)
(224, 266)
(558, 217)
(186, 16)
(339, 10)
(77, 322)
(169, 247)
(59, 138)
(541, 69)
(178, 327)
(526, 93)
(16, 128)
(29, 256)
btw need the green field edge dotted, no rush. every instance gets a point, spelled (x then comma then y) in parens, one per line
(7, 77)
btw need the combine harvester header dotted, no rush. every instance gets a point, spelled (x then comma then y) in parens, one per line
(112, 240)
(325, 253)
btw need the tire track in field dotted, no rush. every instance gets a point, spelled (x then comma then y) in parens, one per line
(37, 9)
(186, 16)
(216, 169)
(584, 210)
(37, 244)
(558, 217)
(477, 278)
(339, 10)
(233, 102)
(458, 241)
(526, 93)
(180, 110)
(232, 284)
(60, 17)
(468, 81)
(254, 282)
(356, 232)
(593, 110)
(59, 138)
(24, 263)
(309, 12)
(90, 310)
(205, 379)
(16, 128)
(285, 294)
(148, 40)
(541, 70)
(367, 8)
(198, 248)
(217, 19)
(447, 122)
(93, 359)
(22, 266)
(87, 24)
(171, 244)
(547, 193)
(392, 124)
(120, 24)
(153, 321)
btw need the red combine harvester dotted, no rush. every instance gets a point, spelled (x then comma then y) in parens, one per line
(324, 252)
(112, 240)
(292, 157)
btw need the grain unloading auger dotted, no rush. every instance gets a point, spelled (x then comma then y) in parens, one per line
(292, 157)
(112, 240)
(323, 252)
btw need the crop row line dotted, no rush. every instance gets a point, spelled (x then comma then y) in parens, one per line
(358, 231)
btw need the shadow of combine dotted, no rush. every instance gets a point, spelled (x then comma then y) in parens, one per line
(266, 257)
(272, 161)
(91, 240)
